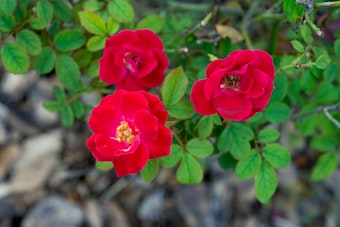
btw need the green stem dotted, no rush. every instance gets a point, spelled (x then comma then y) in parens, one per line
(245, 24)
(313, 26)
(273, 37)
(327, 4)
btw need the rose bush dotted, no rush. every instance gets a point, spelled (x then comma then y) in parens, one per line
(129, 130)
(133, 60)
(236, 87)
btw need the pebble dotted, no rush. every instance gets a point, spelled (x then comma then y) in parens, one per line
(54, 211)
(14, 87)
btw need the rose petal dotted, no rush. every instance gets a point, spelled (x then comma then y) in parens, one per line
(124, 37)
(241, 58)
(113, 99)
(130, 83)
(153, 79)
(147, 64)
(148, 39)
(108, 71)
(91, 145)
(197, 97)
(213, 83)
(213, 66)
(235, 108)
(156, 107)
(147, 125)
(260, 83)
(133, 163)
(105, 119)
(161, 147)
(261, 102)
(265, 62)
(131, 102)
(111, 149)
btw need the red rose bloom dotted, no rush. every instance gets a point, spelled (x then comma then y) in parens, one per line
(236, 87)
(129, 130)
(133, 60)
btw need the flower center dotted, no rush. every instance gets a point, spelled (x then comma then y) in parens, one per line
(124, 133)
(230, 82)
(131, 62)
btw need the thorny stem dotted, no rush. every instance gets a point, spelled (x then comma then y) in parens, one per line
(327, 4)
(326, 110)
(313, 26)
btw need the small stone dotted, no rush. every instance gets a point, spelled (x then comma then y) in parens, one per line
(192, 202)
(38, 158)
(55, 212)
(115, 216)
(152, 206)
(94, 214)
(15, 86)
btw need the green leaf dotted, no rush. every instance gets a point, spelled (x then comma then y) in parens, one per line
(59, 94)
(103, 166)
(83, 57)
(174, 157)
(61, 10)
(68, 72)
(67, 117)
(53, 106)
(200, 148)
(14, 58)
(205, 127)
(95, 43)
(297, 45)
(44, 63)
(280, 87)
(189, 171)
(277, 112)
(37, 24)
(7, 22)
(112, 26)
(227, 161)
(44, 11)
(248, 167)
(149, 172)
(332, 72)
(325, 166)
(292, 11)
(121, 10)
(322, 62)
(216, 119)
(268, 135)
(327, 92)
(212, 57)
(306, 33)
(92, 22)
(153, 22)
(30, 41)
(93, 69)
(236, 139)
(337, 48)
(265, 183)
(78, 109)
(20, 12)
(8, 6)
(174, 86)
(323, 143)
(67, 40)
(277, 155)
(93, 5)
(181, 110)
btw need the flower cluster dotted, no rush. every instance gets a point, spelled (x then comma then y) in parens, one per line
(129, 125)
